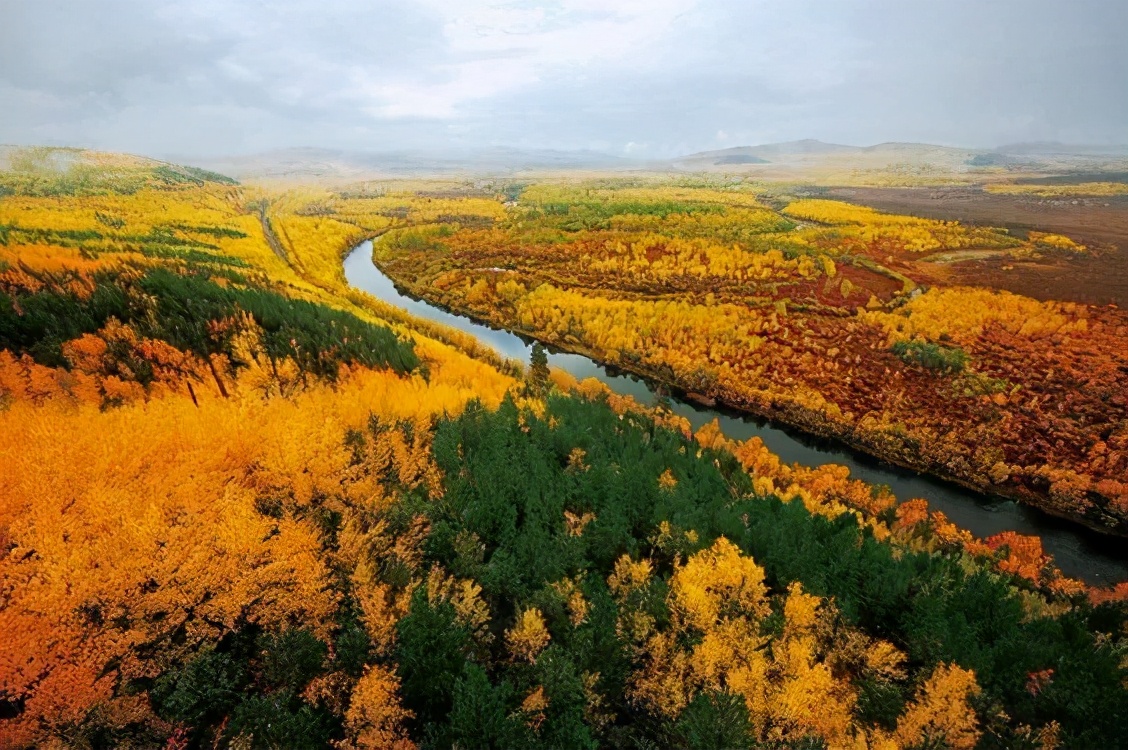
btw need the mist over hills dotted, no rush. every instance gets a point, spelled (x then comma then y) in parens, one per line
(1049, 148)
(771, 159)
(809, 152)
(801, 159)
(324, 163)
(813, 154)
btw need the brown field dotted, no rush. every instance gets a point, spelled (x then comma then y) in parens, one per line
(1099, 277)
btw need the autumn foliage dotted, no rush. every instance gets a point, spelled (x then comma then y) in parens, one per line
(242, 505)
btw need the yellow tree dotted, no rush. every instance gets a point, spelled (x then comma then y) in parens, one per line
(940, 711)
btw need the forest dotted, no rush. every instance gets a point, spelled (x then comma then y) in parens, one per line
(243, 504)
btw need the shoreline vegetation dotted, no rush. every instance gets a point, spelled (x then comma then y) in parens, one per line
(246, 505)
(969, 395)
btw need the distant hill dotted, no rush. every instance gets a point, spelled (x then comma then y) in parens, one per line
(811, 158)
(810, 148)
(804, 147)
(49, 170)
(740, 159)
(331, 164)
(766, 153)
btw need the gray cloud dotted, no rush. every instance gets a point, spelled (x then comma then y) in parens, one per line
(645, 77)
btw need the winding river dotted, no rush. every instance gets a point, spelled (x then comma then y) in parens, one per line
(1079, 552)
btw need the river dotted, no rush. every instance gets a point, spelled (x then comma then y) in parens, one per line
(1079, 552)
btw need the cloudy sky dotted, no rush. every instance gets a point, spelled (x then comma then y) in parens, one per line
(648, 78)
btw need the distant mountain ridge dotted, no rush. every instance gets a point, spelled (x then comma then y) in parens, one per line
(801, 159)
(789, 148)
(904, 162)
(811, 147)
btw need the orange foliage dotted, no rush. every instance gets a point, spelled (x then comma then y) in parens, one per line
(1117, 593)
(940, 712)
(1024, 555)
(717, 601)
(528, 636)
(375, 718)
(910, 513)
(22, 379)
(716, 584)
(533, 707)
(147, 517)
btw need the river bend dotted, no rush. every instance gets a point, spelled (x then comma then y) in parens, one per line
(1078, 552)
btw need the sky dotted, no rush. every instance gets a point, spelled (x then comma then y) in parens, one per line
(640, 78)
